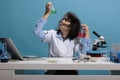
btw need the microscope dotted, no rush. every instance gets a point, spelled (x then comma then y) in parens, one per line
(98, 43)
(97, 46)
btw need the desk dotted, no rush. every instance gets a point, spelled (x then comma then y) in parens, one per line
(7, 70)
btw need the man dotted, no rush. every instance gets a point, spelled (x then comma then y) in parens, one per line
(64, 41)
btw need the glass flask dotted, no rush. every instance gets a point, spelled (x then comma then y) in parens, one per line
(53, 11)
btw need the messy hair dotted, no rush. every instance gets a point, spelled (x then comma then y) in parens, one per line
(75, 25)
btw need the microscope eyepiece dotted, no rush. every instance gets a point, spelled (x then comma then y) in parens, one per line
(96, 34)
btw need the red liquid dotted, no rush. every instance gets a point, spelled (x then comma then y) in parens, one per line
(81, 35)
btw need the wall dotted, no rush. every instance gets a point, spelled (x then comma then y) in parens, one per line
(18, 18)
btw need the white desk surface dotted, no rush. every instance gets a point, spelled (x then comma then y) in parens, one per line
(61, 63)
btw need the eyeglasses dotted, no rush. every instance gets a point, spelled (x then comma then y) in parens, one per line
(66, 19)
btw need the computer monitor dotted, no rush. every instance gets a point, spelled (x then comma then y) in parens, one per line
(11, 49)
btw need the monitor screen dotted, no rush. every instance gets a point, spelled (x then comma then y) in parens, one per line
(11, 48)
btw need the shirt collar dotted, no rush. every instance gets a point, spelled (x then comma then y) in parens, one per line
(60, 36)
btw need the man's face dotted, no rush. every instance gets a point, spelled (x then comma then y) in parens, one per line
(65, 25)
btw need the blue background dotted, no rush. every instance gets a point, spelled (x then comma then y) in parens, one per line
(18, 19)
